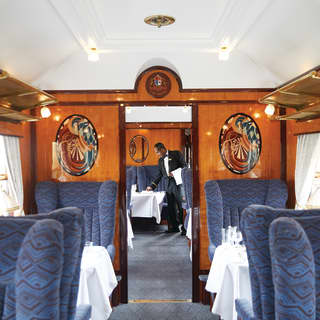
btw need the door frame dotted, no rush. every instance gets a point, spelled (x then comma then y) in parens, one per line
(123, 250)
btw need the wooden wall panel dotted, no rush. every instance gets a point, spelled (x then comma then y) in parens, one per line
(23, 131)
(294, 128)
(105, 119)
(211, 120)
(171, 138)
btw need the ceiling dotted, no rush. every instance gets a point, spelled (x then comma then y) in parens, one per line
(45, 42)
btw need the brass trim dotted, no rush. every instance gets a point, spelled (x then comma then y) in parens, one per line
(160, 301)
(159, 20)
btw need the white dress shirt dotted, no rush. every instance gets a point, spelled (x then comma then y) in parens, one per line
(166, 162)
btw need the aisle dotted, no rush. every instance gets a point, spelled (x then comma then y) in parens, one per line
(159, 267)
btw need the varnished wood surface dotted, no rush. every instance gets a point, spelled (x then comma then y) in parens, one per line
(101, 108)
(211, 120)
(105, 121)
(159, 125)
(171, 138)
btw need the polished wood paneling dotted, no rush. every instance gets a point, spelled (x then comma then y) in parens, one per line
(106, 122)
(101, 107)
(171, 138)
(211, 120)
(293, 129)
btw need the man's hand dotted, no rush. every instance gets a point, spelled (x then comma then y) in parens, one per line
(170, 174)
(149, 188)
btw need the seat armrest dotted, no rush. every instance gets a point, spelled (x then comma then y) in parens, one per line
(244, 309)
(111, 250)
(83, 312)
(211, 251)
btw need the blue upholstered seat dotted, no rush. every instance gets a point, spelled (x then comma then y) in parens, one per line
(131, 179)
(97, 199)
(45, 283)
(255, 222)
(226, 200)
(145, 175)
(293, 267)
(186, 175)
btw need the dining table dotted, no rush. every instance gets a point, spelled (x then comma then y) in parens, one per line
(97, 281)
(147, 204)
(229, 279)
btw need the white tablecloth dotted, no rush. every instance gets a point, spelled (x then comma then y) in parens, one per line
(147, 204)
(229, 278)
(97, 281)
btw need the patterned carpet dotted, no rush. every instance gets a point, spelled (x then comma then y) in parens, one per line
(159, 268)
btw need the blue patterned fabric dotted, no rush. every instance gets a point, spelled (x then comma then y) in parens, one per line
(38, 272)
(293, 270)
(255, 222)
(97, 199)
(235, 195)
(145, 175)
(131, 179)
(186, 175)
(73, 243)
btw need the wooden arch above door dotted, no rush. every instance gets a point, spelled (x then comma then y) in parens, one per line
(158, 83)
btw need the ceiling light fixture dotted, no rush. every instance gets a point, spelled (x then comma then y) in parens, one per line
(159, 20)
(93, 55)
(270, 109)
(45, 112)
(224, 53)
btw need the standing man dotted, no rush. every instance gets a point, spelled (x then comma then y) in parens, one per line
(169, 161)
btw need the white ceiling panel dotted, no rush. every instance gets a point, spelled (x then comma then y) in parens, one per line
(45, 42)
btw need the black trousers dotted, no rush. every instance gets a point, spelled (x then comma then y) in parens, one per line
(174, 198)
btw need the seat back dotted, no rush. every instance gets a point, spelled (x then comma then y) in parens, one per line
(97, 199)
(131, 179)
(186, 175)
(146, 174)
(255, 223)
(237, 194)
(293, 268)
(39, 270)
(34, 265)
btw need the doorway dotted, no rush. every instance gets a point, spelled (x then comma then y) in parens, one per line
(188, 131)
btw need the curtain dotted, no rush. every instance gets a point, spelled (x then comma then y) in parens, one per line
(13, 165)
(307, 157)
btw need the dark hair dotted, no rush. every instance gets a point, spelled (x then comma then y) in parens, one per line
(159, 146)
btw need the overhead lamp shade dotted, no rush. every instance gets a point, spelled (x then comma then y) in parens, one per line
(270, 109)
(93, 55)
(45, 112)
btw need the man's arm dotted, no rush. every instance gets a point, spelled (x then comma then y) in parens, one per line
(180, 159)
(155, 182)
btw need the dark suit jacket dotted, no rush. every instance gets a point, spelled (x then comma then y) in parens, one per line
(175, 161)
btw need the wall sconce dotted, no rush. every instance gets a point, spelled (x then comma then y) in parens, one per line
(270, 109)
(93, 55)
(45, 112)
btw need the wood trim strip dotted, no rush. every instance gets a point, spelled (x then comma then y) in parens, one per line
(33, 163)
(283, 142)
(137, 103)
(122, 209)
(160, 125)
(196, 208)
(309, 132)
